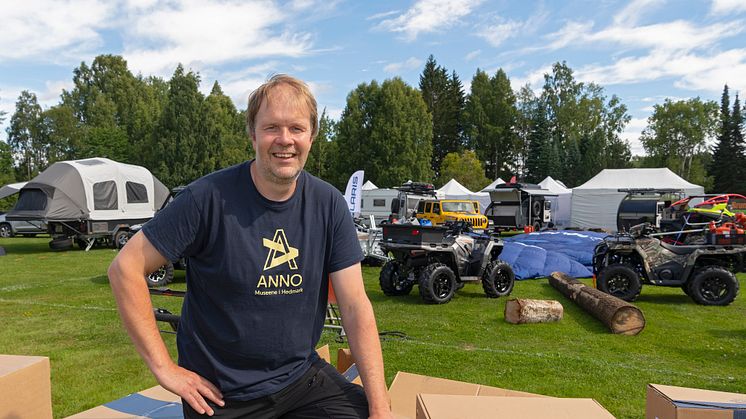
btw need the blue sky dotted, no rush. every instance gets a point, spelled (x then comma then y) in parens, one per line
(643, 51)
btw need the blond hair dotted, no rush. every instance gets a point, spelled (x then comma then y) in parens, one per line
(303, 94)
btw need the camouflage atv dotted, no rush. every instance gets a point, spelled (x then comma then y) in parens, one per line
(622, 263)
(440, 260)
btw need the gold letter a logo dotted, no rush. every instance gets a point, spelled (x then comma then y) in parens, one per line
(279, 246)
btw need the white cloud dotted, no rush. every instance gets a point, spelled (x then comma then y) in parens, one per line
(51, 30)
(694, 72)
(569, 34)
(197, 33)
(632, 133)
(502, 30)
(535, 79)
(429, 16)
(720, 7)
(630, 15)
(383, 14)
(472, 55)
(410, 64)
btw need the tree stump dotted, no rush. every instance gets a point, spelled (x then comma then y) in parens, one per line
(522, 310)
(618, 315)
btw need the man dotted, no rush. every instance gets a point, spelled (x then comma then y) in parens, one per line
(262, 239)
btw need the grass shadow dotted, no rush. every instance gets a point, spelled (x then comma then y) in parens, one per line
(100, 280)
(663, 299)
(728, 334)
(19, 246)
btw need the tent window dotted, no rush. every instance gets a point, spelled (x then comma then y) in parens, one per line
(31, 200)
(105, 195)
(136, 193)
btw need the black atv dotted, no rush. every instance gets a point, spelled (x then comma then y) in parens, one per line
(440, 260)
(622, 263)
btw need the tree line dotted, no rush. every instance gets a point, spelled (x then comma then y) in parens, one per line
(569, 130)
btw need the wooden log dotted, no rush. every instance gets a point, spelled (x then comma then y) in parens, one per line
(618, 315)
(523, 310)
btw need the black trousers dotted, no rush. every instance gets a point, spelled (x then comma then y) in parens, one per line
(321, 392)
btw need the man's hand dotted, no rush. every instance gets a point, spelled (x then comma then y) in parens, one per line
(191, 387)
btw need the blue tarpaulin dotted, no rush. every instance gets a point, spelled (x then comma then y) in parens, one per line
(539, 254)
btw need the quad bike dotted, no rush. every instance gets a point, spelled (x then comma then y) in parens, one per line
(622, 263)
(440, 260)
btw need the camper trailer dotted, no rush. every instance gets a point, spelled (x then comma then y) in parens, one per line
(377, 202)
(89, 200)
(516, 205)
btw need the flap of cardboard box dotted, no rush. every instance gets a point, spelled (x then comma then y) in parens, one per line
(441, 406)
(682, 396)
(406, 386)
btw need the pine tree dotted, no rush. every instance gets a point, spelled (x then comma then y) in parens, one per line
(721, 166)
(490, 118)
(739, 147)
(444, 98)
(539, 147)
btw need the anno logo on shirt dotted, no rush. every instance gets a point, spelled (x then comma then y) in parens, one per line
(280, 251)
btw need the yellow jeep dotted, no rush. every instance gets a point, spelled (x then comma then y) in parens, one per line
(440, 211)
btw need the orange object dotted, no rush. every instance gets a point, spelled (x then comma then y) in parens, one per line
(528, 229)
(332, 297)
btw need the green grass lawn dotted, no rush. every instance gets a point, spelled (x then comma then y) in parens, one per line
(60, 305)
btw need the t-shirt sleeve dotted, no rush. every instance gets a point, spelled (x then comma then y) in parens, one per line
(345, 245)
(174, 230)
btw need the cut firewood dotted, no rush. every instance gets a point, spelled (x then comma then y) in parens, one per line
(618, 315)
(523, 310)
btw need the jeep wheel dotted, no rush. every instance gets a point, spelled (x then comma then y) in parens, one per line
(621, 281)
(393, 281)
(498, 279)
(437, 284)
(161, 277)
(713, 286)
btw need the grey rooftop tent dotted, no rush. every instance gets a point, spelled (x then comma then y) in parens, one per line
(90, 189)
(596, 202)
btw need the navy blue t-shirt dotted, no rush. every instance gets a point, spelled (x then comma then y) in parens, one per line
(257, 277)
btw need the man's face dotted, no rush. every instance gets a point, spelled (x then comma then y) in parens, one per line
(282, 136)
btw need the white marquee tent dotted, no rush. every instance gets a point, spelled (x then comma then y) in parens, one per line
(595, 203)
(561, 204)
(492, 185)
(368, 185)
(455, 190)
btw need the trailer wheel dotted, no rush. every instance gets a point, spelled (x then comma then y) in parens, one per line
(498, 279)
(161, 277)
(62, 244)
(437, 284)
(120, 238)
(393, 281)
(713, 286)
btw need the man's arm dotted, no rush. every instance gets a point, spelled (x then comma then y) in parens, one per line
(362, 334)
(126, 276)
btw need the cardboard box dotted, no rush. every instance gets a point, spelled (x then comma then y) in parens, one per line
(155, 402)
(25, 387)
(344, 359)
(406, 386)
(440, 406)
(670, 402)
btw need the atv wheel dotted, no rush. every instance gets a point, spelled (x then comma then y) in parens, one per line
(713, 286)
(393, 281)
(621, 281)
(161, 277)
(437, 284)
(498, 279)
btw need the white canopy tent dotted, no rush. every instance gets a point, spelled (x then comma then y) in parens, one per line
(595, 203)
(561, 204)
(455, 190)
(368, 185)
